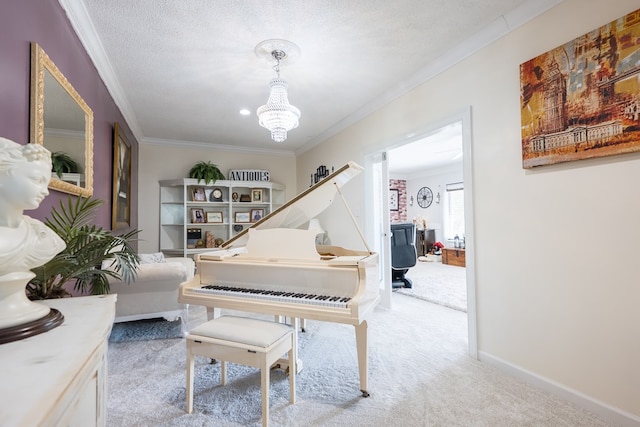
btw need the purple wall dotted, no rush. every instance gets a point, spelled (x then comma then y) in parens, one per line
(46, 23)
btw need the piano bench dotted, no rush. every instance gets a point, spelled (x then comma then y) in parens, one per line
(245, 341)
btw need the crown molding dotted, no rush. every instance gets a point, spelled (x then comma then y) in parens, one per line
(219, 147)
(84, 28)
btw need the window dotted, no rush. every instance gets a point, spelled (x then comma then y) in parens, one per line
(454, 210)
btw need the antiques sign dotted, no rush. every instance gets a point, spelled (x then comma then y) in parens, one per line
(582, 99)
(249, 175)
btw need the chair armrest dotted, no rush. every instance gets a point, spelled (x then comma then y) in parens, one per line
(178, 268)
(175, 271)
(188, 264)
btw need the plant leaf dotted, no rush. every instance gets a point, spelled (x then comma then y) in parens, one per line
(87, 246)
(206, 171)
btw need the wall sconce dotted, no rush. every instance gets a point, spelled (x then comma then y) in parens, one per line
(438, 196)
(411, 201)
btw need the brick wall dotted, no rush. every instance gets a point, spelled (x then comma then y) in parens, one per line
(401, 214)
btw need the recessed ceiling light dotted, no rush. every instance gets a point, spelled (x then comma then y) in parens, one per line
(245, 112)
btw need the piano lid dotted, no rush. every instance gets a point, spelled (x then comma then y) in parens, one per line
(305, 206)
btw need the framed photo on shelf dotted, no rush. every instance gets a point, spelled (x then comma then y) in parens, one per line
(256, 195)
(197, 215)
(242, 217)
(257, 215)
(215, 217)
(198, 194)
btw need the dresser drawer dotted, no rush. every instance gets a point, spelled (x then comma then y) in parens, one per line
(453, 256)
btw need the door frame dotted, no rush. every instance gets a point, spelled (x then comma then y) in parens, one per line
(377, 228)
(372, 158)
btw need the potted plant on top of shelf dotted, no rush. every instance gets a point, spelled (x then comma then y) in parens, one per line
(61, 163)
(206, 171)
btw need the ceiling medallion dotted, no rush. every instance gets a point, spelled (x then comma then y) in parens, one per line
(277, 115)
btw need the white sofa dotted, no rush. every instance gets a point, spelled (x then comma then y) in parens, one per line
(154, 292)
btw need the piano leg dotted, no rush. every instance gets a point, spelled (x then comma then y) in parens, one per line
(283, 319)
(284, 363)
(363, 367)
(295, 323)
(213, 313)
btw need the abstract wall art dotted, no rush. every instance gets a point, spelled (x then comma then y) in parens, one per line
(582, 99)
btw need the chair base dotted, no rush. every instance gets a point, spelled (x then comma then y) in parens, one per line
(398, 280)
(403, 283)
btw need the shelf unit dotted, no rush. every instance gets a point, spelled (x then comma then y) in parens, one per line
(177, 204)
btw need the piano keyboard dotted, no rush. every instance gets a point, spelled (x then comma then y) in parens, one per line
(279, 296)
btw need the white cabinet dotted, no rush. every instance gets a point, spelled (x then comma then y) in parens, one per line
(188, 210)
(59, 378)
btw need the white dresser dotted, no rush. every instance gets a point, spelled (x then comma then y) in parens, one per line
(58, 378)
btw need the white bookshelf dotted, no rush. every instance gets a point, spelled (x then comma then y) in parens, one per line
(177, 204)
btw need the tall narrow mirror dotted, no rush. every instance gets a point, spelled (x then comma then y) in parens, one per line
(63, 122)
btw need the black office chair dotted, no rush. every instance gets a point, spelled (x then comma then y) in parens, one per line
(403, 253)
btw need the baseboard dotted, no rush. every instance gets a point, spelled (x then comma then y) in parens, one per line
(607, 412)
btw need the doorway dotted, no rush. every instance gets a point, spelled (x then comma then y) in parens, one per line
(425, 172)
(379, 165)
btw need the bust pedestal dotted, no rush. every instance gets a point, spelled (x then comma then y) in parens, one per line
(19, 317)
(15, 307)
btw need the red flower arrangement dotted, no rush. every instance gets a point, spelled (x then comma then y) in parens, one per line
(438, 245)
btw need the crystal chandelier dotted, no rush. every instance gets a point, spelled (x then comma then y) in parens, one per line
(277, 114)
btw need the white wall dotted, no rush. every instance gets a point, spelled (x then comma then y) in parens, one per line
(557, 299)
(165, 161)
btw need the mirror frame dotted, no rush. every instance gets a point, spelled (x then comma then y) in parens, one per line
(40, 62)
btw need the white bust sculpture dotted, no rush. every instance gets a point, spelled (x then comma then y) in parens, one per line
(25, 243)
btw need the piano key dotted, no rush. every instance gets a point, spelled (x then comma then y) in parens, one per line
(280, 296)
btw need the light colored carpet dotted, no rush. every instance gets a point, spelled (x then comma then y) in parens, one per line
(419, 375)
(438, 283)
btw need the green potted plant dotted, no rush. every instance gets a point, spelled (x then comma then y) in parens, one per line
(62, 163)
(206, 171)
(87, 247)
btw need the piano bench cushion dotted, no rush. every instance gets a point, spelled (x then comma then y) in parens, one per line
(244, 330)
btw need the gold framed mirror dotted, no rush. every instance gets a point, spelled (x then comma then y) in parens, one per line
(63, 122)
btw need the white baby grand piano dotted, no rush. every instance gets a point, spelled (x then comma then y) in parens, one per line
(274, 267)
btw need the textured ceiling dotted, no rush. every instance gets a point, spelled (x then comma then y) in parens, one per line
(439, 149)
(180, 71)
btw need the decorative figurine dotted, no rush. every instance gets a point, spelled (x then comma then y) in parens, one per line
(25, 243)
(210, 239)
